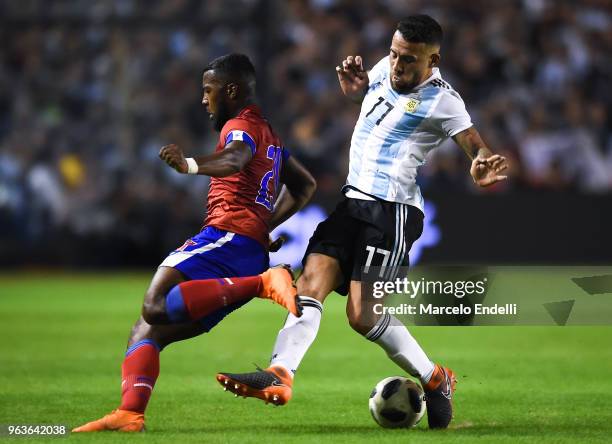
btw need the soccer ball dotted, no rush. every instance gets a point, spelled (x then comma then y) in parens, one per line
(397, 402)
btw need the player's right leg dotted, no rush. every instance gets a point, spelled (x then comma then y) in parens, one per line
(140, 367)
(326, 261)
(140, 370)
(321, 275)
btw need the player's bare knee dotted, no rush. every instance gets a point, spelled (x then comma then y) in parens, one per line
(359, 322)
(154, 308)
(359, 325)
(320, 276)
(314, 283)
(307, 286)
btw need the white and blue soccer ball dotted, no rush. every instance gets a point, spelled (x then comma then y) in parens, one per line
(397, 402)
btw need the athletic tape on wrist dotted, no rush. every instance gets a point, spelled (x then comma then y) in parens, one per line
(192, 165)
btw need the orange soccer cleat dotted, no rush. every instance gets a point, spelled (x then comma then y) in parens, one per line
(277, 285)
(438, 396)
(270, 385)
(117, 420)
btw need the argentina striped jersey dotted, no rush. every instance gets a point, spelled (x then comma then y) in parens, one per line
(395, 132)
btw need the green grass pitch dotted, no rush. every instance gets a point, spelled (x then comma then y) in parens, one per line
(62, 339)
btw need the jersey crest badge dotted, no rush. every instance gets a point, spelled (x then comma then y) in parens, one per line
(412, 105)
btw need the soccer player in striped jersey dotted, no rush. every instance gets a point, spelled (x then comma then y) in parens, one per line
(407, 110)
(224, 266)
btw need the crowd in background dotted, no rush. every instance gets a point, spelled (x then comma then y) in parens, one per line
(91, 89)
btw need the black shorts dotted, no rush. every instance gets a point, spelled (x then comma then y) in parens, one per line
(365, 233)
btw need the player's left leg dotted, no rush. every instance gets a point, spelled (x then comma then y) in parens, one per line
(222, 268)
(196, 299)
(388, 332)
(382, 247)
(394, 338)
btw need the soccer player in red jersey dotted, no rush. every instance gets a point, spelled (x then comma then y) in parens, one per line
(226, 264)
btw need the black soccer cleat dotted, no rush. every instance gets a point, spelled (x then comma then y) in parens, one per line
(438, 396)
(270, 385)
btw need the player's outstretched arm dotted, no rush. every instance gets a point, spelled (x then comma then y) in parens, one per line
(231, 160)
(299, 186)
(486, 166)
(353, 78)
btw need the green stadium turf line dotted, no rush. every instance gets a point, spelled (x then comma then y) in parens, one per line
(62, 338)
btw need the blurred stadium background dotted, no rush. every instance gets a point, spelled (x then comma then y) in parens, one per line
(91, 89)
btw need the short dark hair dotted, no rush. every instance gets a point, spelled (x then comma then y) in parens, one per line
(420, 29)
(234, 66)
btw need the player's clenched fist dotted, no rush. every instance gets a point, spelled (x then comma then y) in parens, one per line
(352, 77)
(173, 156)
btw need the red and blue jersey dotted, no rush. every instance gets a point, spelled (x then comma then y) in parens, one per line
(243, 202)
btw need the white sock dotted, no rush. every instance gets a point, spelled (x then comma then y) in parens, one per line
(401, 347)
(297, 335)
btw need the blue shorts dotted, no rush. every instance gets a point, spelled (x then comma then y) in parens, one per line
(214, 253)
